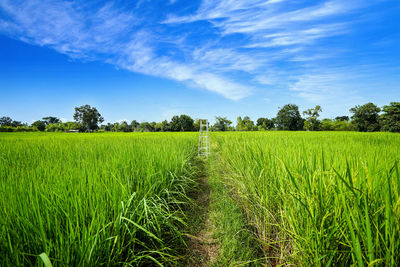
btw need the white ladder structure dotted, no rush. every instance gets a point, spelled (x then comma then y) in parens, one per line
(204, 140)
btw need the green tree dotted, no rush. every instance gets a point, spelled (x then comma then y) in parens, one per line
(245, 124)
(265, 124)
(339, 125)
(327, 125)
(390, 119)
(115, 127)
(106, 127)
(54, 127)
(124, 127)
(312, 123)
(5, 121)
(288, 118)
(162, 126)
(40, 125)
(135, 125)
(71, 125)
(182, 123)
(366, 117)
(88, 116)
(145, 127)
(50, 119)
(221, 124)
(18, 124)
(342, 118)
(196, 125)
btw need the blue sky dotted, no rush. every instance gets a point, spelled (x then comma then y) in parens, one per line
(148, 60)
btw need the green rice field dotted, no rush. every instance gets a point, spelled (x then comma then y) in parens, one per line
(96, 199)
(320, 198)
(310, 198)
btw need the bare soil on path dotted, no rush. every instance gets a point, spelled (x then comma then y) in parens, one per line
(203, 248)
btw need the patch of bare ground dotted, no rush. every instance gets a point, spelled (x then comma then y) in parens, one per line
(203, 247)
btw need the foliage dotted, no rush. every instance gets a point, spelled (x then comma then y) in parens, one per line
(342, 118)
(222, 124)
(366, 117)
(318, 198)
(312, 123)
(124, 127)
(134, 125)
(162, 126)
(337, 125)
(50, 119)
(5, 121)
(288, 118)
(41, 125)
(182, 123)
(55, 127)
(390, 119)
(18, 129)
(88, 116)
(71, 125)
(245, 124)
(265, 124)
(146, 127)
(89, 200)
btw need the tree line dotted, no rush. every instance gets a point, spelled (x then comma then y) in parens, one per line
(365, 118)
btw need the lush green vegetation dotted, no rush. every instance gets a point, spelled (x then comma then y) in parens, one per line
(366, 118)
(237, 241)
(322, 198)
(92, 199)
(310, 198)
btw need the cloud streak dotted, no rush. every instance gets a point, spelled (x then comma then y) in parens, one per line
(108, 34)
(235, 47)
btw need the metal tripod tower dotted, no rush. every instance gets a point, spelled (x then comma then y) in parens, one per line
(204, 139)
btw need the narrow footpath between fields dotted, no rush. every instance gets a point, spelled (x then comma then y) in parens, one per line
(217, 233)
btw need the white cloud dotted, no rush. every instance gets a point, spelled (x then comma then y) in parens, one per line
(330, 85)
(268, 34)
(260, 19)
(108, 34)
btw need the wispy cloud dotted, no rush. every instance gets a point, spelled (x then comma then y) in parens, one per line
(108, 34)
(328, 85)
(243, 45)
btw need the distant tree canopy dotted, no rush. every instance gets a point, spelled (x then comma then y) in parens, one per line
(312, 123)
(342, 118)
(288, 118)
(181, 123)
(44, 124)
(41, 125)
(162, 126)
(245, 124)
(222, 124)
(88, 117)
(8, 122)
(50, 119)
(265, 124)
(366, 117)
(390, 119)
(5, 121)
(336, 125)
(146, 127)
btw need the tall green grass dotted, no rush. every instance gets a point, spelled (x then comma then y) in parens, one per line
(318, 198)
(93, 199)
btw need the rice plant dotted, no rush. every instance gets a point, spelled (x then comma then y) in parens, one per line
(93, 199)
(318, 198)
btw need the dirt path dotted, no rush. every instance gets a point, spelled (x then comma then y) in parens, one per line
(202, 246)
